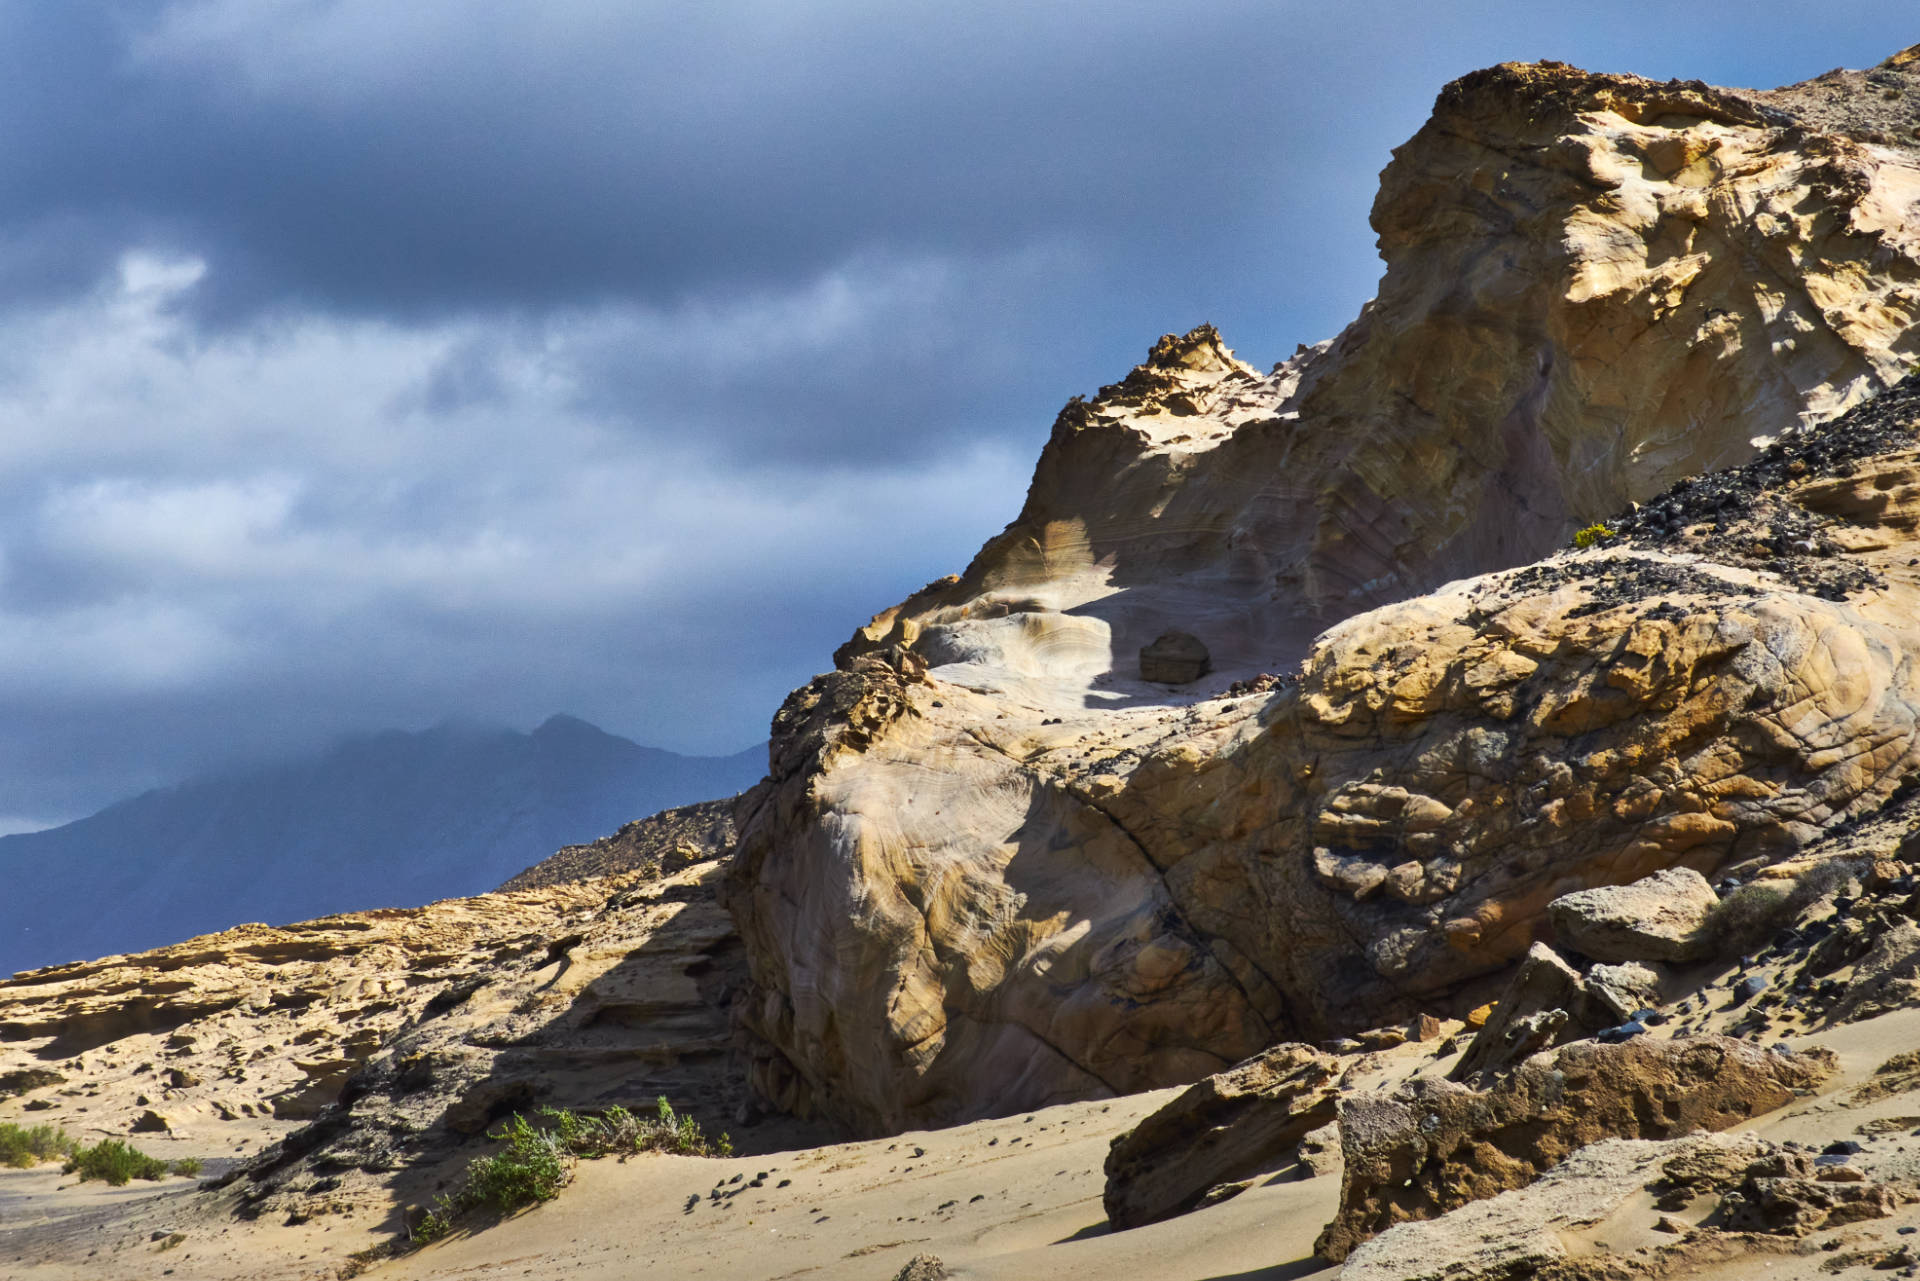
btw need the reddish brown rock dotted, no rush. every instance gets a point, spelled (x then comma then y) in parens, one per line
(1434, 1145)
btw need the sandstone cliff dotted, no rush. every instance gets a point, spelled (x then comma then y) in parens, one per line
(995, 868)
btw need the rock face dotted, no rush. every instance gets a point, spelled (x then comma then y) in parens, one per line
(989, 854)
(1658, 918)
(1231, 1126)
(1433, 1145)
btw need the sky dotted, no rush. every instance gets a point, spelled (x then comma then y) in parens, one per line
(367, 365)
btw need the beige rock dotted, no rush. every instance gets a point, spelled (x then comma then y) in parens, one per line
(989, 853)
(1657, 918)
(1229, 1127)
(1623, 989)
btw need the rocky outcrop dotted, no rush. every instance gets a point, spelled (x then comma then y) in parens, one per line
(1760, 1199)
(1231, 1126)
(990, 853)
(660, 844)
(1432, 1145)
(1521, 1233)
(378, 1047)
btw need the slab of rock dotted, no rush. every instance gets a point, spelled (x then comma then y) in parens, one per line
(1518, 1233)
(1657, 918)
(1434, 1145)
(1533, 1014)
(1175, 658)
(1231, 1126)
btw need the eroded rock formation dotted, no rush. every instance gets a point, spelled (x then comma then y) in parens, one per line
(1433, 1146)
(994, 869)
(1233, 1125)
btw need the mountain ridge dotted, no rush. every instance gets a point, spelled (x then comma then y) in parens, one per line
(388, 818)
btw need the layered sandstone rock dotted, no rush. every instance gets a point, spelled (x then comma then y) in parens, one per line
(377, 1047)
(1233, 1125)
(1432, 1145)
(994, 868)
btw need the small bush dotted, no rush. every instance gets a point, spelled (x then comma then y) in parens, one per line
(1592, 536)
(23, 1148)
(1751, 913)
(187, 1167)
(536, 1162)
(533, 1167)
(114, 1162)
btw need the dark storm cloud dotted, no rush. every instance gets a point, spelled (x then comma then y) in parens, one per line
(363, 364)
(454, 156)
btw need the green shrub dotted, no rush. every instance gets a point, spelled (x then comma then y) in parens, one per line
(535, 1162)
(22, 1148)
(187, 1167)
(1592, 536)
(533, 1167)
(114, 1162)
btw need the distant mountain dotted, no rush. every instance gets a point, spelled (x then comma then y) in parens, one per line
(390, 820)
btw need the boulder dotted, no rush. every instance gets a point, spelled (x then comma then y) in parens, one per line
(1175, 658)
(1433, 1145)
(1657, 918)
(923, 1267)
(1233, 1125)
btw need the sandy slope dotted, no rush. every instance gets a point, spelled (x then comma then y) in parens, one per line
(1017, 1197)
(1013, 1198)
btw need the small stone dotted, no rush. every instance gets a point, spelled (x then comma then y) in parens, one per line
(1625, 1032)
(1667, 1223)
(1382, 1038)
(923, 1267)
